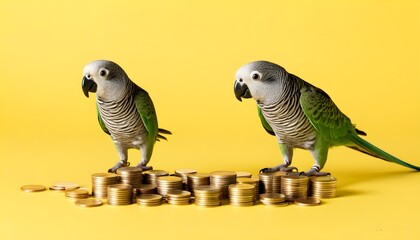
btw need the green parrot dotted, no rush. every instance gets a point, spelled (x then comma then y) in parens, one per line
(300, 115)
(125, 111)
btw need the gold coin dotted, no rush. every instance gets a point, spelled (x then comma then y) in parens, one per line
(33, 188)
(66, 185)
(57, 189)
(310, 201)
(149, 197)
(88, 202)
(241, 174)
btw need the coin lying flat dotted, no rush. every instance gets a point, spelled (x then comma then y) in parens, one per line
(33, 188)
(88, 202)
(66, 185)
(310, 201)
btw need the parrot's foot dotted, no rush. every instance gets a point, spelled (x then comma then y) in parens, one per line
(144, 168)
(120, 164)
(314, 172)
(279, 168)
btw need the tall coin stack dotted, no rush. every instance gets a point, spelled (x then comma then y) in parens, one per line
(130, 175)
(294, 186)
(167, 183)
(207, 196)
(242, 194)
(178, 197)
(183, 173)
(151, 176)
(253, 181)
(120, 194)
(323, 187)
(197, 179)
(223, 179)
(271, 182)
(100, 183)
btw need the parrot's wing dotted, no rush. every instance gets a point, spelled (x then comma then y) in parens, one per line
(101, 122)
(264, 122)
(324, 115)
(147, 112)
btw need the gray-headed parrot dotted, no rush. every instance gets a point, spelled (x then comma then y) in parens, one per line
(300, 115)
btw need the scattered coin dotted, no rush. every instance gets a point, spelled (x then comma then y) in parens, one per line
(33, 188)
(310, 201)
(66, 185)
(88, 202)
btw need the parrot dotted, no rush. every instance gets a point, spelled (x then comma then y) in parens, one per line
(301, 116)
(125, 111)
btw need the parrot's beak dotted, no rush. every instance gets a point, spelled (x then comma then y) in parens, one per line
(88, 85)
(241, 90)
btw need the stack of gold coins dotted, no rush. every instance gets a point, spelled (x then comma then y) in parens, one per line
(120, 194)
(166, 183)
(207, 196)
(294, 186)
(242, 174)
(197, 179)
(178, 197)
(242, 194)
(253, 181)
(130, 175)
(273, 199)
(151, 176)
(149, 200)
(146, 189)
(223, 179)
(271, 181)
(183, 173)
(77, 194)
(323, 187)
(100, 183)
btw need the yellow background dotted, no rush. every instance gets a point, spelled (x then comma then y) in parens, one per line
(365, 54)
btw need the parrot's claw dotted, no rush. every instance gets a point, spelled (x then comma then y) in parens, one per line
(279, 168)
(312, 172)
(144, 168)
(120, 164)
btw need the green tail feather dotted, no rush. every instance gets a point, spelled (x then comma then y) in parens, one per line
(366, 147)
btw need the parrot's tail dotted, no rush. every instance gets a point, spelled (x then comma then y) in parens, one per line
(366, 147)
(163, 131)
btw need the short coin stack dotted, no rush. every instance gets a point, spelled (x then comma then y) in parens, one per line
(151, 176)
(294, 186)
(178, 197)
(77, 194)
(242, 174)
(146, 189)
(223, 179)
(242, 194)
(183, 173)
(149, 200)
(253, 181)
(130, 175)
(120, 194)
(271, 181)
(273, 199)
(307, 201)
(207, 196)
(167, 183)
(197, 179)
(100, 183)
(323, 187)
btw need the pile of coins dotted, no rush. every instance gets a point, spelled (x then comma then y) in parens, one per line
(183, 173)
(271, 181)
(166, 183)
(178, 197)
(197, 179)
(100, 183)
(253, 181)
(130, 175)
(77, 194)
(242, 194)
(294, 186)
(323, 187)
(151, 176)
(273, 199)
(207, 196)
(223, 179)
(120, 194)
(149, 200)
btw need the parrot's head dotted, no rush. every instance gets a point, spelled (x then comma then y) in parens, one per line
(260, 80)
(106, 78)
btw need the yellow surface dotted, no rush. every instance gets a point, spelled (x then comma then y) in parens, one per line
(365, 54)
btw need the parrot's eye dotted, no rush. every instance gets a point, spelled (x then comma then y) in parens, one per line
(256, 76)
(103, 72)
